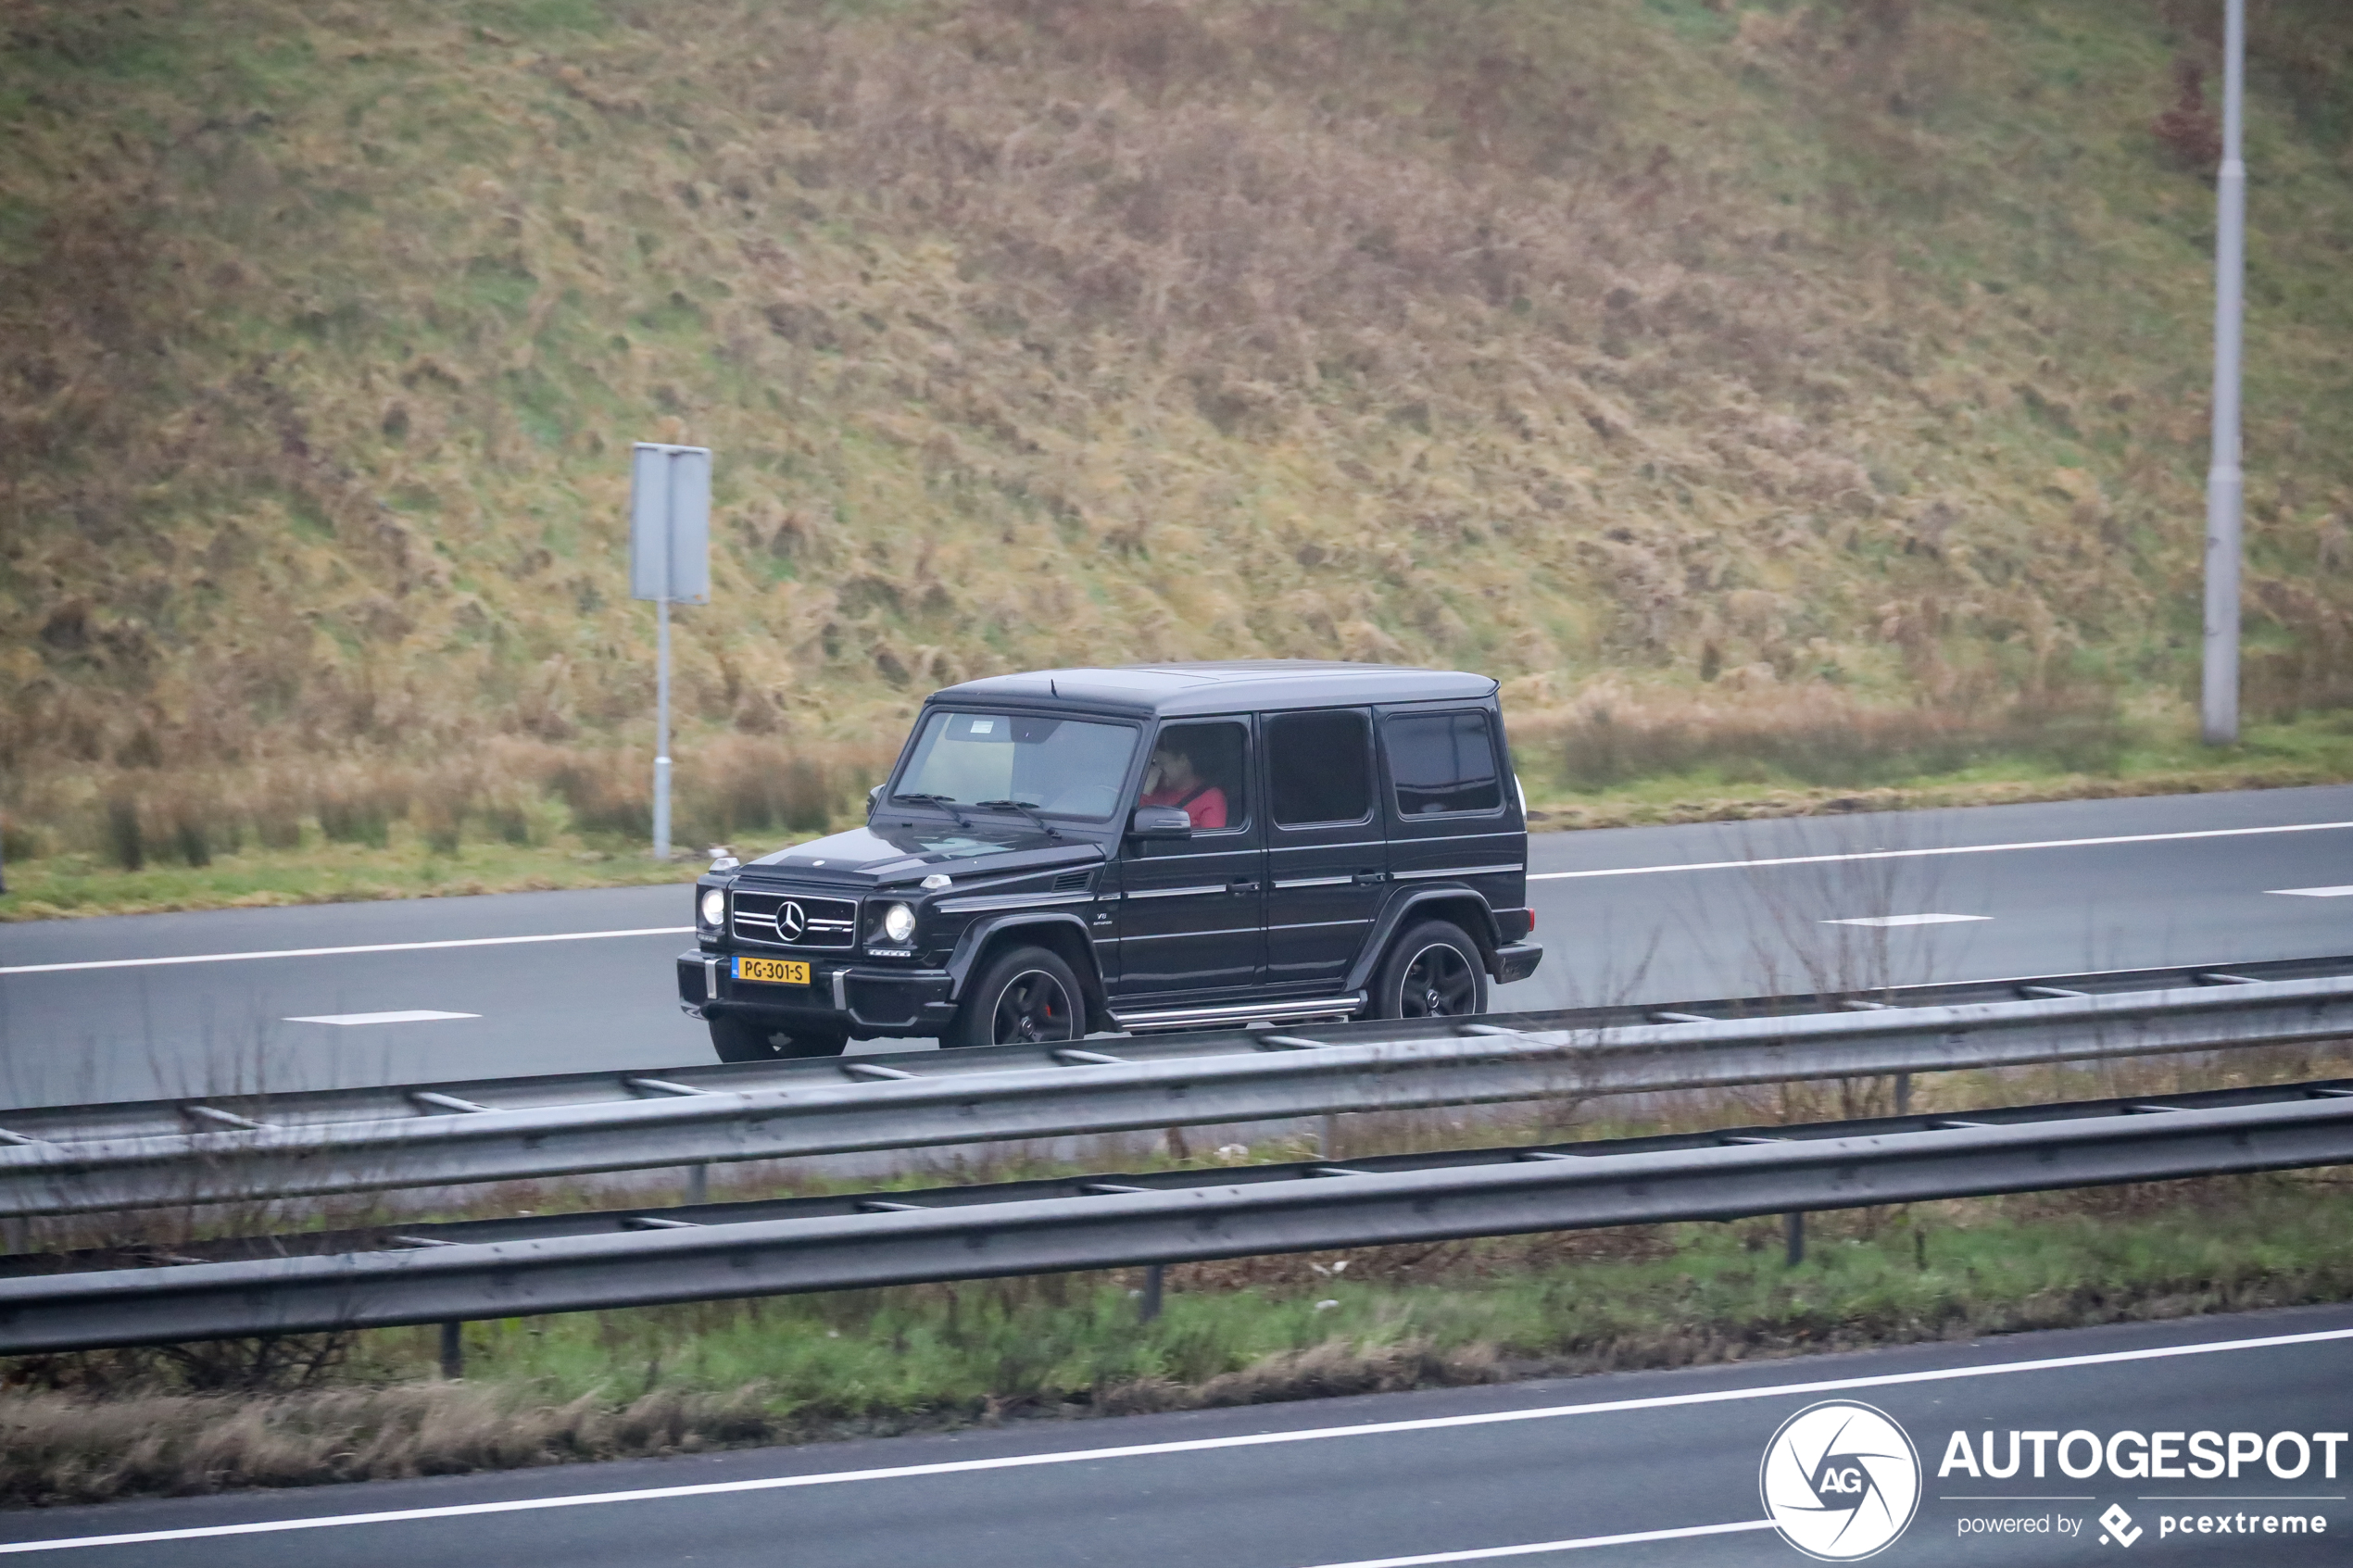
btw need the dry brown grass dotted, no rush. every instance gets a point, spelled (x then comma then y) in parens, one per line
(509, 790)
(59, 1449)
(1653, 339)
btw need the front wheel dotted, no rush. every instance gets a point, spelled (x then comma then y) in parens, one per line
(1433, 970)
(1025, 996)
(737, 1039)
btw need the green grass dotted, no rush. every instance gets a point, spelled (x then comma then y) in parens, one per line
(61, 885)
(663, 1380)
(1719, 777)
(1692, 1293)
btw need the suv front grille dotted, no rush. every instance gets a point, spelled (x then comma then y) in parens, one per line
(794, 919)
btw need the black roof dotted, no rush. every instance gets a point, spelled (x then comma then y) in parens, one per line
(1231, 686)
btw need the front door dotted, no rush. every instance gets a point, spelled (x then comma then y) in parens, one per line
(1325, 855)
(1192, 918)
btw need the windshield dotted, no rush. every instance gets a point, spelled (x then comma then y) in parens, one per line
(1059, 767)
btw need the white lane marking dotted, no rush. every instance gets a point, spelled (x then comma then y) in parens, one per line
(1482, 1554)
(2345, 892)
(1884, 921)
(338, 952)
(1187, 1446)
(417, 1015)
(1948, 850)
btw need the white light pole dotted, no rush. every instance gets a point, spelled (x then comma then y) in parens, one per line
(669, 563)
(2225, 483)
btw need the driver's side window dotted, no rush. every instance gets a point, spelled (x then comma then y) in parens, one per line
(1203, 768)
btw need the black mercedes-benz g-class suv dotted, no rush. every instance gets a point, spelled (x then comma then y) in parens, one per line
(1158, 846)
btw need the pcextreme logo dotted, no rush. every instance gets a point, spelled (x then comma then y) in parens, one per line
(1841, 1481)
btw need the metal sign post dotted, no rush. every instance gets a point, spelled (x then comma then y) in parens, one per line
(669, 563)
(2224, 482)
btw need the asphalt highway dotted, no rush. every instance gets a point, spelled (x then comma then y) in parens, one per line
(548, 982)
(1654, 1468)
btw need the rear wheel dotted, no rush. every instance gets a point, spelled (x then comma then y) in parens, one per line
(1433, 970)
(737, 1039)
(1025, 996)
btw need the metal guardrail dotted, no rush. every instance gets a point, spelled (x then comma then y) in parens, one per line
(97, 1159)
(578, 1263)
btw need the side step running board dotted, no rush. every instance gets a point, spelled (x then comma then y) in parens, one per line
(1242, 1012)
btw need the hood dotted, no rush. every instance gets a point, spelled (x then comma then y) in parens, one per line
(908, 852)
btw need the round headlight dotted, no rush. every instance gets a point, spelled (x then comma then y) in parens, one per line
(898, 922)
(714, 906)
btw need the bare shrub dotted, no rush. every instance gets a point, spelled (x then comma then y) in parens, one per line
(608, 792)
(2188, 128)
(1818, 734)
(126, 835)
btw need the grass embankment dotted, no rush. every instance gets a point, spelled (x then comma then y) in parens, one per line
(1665, 351)
(794, 1369)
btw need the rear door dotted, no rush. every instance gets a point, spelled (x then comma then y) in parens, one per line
(1191, 921)
(1326, 856)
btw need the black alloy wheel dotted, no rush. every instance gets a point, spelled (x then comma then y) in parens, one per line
(1025, 996)
(1433, 971)
(1034, 1008)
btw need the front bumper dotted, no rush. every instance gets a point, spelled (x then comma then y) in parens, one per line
(842, 997)
(1517, 962)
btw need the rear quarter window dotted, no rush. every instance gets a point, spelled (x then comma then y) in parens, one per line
(1443, 764)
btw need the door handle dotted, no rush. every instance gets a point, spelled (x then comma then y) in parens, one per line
(1371, 879)
(1239, 887)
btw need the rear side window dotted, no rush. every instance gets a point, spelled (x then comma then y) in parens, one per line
(1442, 762)
(1320, 766)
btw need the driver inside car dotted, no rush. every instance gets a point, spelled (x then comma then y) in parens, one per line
(1173, 779)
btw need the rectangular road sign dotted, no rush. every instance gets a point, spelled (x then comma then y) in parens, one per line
(670, 524)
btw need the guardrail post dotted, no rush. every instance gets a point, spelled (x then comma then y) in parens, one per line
(1328, 1139)
(697, 1184)
(1793, 1223)
(1903, 1093)
(453, 1351)
(1149, 1308)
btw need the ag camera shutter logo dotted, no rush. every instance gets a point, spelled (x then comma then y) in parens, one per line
(1839, 1480)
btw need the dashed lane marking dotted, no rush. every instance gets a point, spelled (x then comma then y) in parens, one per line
(1889, 921)
(415, 1015)
(2345, 892)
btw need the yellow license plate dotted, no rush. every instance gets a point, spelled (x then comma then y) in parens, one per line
(779, 972)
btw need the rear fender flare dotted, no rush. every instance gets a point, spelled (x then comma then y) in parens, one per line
(1464, 906)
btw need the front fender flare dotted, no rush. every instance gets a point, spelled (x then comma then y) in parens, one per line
(977, 935)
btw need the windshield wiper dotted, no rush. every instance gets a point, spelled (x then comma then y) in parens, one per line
(1026, 810)
(946, 801)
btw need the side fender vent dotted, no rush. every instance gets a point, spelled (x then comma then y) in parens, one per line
(1075, 881)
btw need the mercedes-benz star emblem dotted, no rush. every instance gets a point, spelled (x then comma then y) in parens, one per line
(791, 922)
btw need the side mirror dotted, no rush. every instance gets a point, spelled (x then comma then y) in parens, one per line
(1160, 821)
(874, 798)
